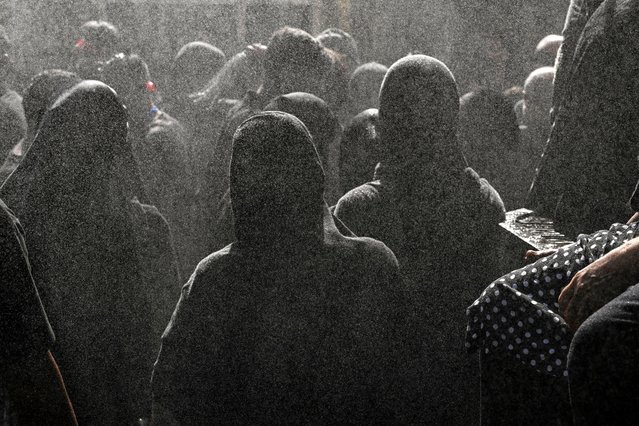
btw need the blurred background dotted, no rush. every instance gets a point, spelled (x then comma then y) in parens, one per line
(499, 34)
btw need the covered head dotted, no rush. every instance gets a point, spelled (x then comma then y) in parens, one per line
(43, 91)
(129, 76)
(277, 181)
(487, 123)
(365, 84)
(538, 94)
(69, 166)
(418, 109)
(343, 43)
(316, 116)
(295, 62)
(546, 50)
(194, 65)
(97, 41)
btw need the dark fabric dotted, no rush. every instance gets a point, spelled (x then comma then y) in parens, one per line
(324, 128)
(364, 86)
(293, 323)
(160, 148)
(24, 327)
(217, 170)
(433, 212)
(359, 150)
(69, 193)
(579, 12)
(602, 364)
(589, 166)
(489, 136)
(514, 394)
(316, 116)
(195, 64)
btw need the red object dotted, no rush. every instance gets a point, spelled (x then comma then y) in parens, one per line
(150, 86)
(81, 43)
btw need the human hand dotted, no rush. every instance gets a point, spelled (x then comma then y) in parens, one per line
(532, 256)
(633, 219)
(599, 283)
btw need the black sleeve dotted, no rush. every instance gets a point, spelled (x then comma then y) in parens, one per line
(24, 327)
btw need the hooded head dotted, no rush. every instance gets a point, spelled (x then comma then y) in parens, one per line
(129, 76)
(316, 116)
(277, 181)
(66, 175)
(42, 92)
(294, 62)
(418, 112)
(364, 86)
(547, 48)
(195, 64)
(97, 41)
(343, 43)
(538, 93)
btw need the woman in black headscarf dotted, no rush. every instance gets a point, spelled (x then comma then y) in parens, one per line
(433, 212)
(292, 322)
(325, 131)
(72, 192)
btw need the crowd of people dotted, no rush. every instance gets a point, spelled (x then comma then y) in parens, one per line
(289, 236)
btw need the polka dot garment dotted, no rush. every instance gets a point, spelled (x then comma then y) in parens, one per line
(519, 313)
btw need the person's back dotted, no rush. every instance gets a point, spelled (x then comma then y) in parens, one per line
(588, 170)
(43, 90)
(490, 139)
(434, 213)
(84, 253)
(293, 322)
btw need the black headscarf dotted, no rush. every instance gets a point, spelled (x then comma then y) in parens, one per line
(68, 194)
(419, 105)
(194, 65)
(420, 158)
(316, 116)
(275, 196)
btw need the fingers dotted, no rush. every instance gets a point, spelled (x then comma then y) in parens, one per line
(567, 293)
(533, 255)
(633, 219)
(572, 301)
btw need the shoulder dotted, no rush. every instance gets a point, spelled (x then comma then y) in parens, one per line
(212, 270)
(357, 200)
(482, 198)
(374, 252)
